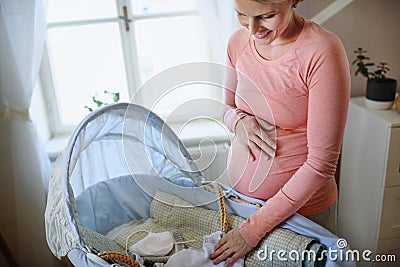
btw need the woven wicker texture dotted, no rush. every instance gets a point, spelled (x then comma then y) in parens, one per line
(118, 257)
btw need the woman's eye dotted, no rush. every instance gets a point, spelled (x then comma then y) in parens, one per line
(268, 17)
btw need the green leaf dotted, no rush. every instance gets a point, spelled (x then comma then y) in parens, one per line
(88, 108)
(97, 102)
(116, 97)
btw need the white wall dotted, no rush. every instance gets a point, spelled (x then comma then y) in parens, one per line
(371, 24)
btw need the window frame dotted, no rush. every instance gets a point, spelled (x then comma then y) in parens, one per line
(129, 49)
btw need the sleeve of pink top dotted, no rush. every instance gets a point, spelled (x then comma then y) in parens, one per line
(231, 114)
(328, 81)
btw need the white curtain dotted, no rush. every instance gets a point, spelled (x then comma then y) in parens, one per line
(24, 165)
(220, 21)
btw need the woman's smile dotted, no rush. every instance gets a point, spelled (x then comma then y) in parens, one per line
(262, 35)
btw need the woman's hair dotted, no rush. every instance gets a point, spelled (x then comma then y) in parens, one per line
(274, 1)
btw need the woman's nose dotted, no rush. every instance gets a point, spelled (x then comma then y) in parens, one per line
(253, 25)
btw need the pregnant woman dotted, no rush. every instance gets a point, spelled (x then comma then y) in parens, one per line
(286, 102)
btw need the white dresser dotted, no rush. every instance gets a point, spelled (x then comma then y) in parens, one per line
(369, 185)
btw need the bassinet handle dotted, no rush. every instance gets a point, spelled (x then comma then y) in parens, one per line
(222, 207)
(118, 257)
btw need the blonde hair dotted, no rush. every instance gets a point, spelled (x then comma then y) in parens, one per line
(275, 1)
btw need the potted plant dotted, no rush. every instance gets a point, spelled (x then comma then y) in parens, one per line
(103, 100)
(381, 91)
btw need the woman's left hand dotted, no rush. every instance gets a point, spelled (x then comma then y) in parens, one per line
(232, 246)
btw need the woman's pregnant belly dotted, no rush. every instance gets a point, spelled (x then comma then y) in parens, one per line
(263, 177)
(244, 173)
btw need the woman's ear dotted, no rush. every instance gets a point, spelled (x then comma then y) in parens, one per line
(295, 2)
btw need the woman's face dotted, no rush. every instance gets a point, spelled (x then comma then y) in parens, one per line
(266, 22)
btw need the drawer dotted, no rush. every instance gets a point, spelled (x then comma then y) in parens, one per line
(393, 161)
(390, 217)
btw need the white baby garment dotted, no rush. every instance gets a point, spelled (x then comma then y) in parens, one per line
(154, 244)
(199, 258)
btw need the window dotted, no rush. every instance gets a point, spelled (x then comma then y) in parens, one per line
(116, 45)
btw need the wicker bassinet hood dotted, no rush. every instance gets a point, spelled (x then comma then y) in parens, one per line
(115, 140)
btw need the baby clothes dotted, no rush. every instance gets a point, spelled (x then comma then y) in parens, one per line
(154, 244)
(209, 242)
(198, 258)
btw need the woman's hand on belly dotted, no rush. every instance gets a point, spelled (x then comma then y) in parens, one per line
(257, 135)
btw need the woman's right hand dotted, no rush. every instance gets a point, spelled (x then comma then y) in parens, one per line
(257, 135)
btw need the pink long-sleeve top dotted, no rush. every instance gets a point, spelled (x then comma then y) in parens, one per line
(305, 94)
